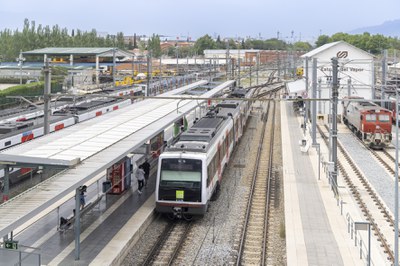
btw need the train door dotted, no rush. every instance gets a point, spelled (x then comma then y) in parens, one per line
(157, 145)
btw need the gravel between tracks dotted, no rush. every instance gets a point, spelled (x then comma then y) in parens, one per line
(375, 173)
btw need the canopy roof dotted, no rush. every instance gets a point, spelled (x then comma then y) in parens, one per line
(83, 51)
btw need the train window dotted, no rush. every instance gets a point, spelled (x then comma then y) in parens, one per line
(211, 169)
(186, 172)
(7, 143)
(370, 117)
(384, 118)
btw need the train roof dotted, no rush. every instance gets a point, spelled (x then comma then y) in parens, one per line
(238, 93)
(86, 106)
(366, 105)
(199, 136)
(229, 104)
(9, 129)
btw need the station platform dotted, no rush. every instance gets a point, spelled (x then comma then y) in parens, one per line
(107, 230)
(317, 228)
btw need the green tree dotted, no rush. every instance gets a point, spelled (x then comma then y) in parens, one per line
(203, 43)
(323, 39)
(302, 46)
(154, 46)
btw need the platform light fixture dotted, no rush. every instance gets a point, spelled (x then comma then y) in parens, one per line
(20, 61)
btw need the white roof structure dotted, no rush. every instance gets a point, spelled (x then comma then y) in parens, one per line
(80, 51)
(328, 46)
(355, 71)
(98, 143)
(296, 88)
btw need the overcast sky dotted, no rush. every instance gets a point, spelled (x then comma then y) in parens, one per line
(227, 18)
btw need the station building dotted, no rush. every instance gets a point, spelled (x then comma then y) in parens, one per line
(355, 73)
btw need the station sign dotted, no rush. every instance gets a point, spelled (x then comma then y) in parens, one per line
(10, 244)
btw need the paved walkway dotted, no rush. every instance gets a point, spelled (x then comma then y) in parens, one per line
(311, 234)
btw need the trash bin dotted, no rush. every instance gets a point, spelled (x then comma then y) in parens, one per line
(106, 186)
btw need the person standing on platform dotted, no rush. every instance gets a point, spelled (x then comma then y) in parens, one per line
(82, 196)
(140, 177)
(146, 169)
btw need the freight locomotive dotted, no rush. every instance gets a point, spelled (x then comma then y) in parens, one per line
(371, 123)
(190, 170)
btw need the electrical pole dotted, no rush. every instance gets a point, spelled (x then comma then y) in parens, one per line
(384, 70)
(6, 188)
(279, 63)
(334, 97)
(46, 95)
(227, 60)
(114, 66)
(250, 73)
(258, 65)
(238, 72)
(306, 102)
(177, 61)
(349, 88)
(396, 187)
(319, 96)
(314, 102)
(148, 92)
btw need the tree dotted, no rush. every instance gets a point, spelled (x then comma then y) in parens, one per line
(203, 43)
(154, 46)
(302, 46)
(323, 39)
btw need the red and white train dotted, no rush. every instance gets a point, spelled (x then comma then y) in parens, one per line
(371, 123)
(190, 170)
(62, 103)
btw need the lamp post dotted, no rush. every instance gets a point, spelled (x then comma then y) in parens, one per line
(20, 61)
(114, 67)
(396, 187)
(335, 94)
(177, 60)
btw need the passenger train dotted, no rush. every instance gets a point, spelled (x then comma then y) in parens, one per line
(32, 112)
(190, 170)
(371, 123)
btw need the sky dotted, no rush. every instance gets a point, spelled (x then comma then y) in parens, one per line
(307, 19)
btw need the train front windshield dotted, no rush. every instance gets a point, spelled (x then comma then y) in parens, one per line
(180, 179)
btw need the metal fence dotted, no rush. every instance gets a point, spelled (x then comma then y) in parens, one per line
(15, 257)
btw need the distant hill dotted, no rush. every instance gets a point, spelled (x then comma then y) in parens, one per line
(388, 28)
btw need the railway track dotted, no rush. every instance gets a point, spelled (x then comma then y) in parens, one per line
(370, 203)
(169, 243)
(253, 241)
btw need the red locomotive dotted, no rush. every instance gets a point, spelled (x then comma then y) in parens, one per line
(371, 123)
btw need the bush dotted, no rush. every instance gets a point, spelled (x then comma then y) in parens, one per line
(27, 90)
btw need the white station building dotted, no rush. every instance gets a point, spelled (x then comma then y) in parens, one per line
(355, 73)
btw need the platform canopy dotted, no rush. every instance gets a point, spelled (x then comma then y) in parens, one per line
(79, 51)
